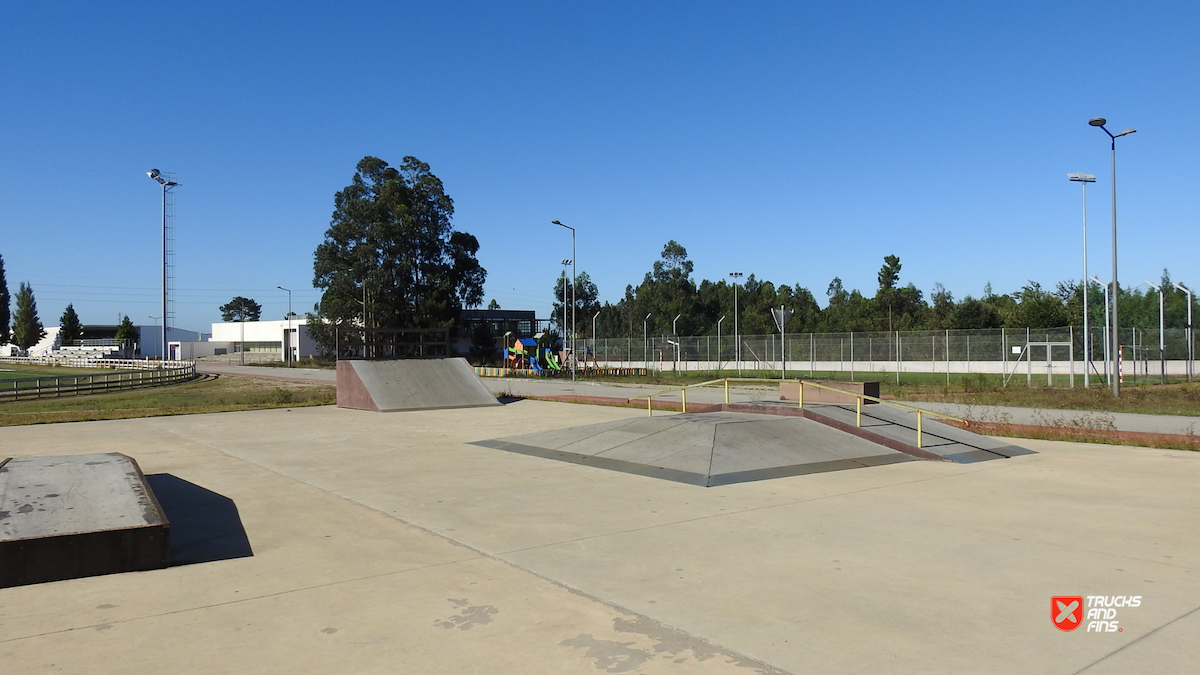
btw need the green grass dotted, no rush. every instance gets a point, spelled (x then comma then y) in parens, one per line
(203, 396)
(20, 371)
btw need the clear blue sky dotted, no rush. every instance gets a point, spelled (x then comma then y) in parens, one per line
(795, 141)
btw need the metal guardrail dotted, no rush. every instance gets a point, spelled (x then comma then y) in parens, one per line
(68, 385)
(800, 400)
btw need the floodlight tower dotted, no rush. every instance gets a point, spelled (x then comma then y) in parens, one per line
(1116, 290)
(167, 182)
(574, 360)
(1084, 179)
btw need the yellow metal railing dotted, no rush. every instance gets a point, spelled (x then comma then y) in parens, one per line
(859, 399)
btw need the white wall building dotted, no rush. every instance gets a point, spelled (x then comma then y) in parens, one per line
(262, 337)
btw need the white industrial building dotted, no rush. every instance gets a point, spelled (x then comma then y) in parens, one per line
(258, 339)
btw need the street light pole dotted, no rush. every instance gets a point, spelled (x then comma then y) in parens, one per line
(288, 342)
(676, 334)
(1188, 332)
(1084, 179)
(737, 336)
(1162, 326)
(646, 343)
(572, 296)
(1106, 332)
(719, 368)
(595, 347)
(1116, 290)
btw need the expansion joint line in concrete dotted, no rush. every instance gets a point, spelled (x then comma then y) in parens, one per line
(1121, 649)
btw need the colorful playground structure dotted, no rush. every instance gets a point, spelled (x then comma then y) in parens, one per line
(542, 355)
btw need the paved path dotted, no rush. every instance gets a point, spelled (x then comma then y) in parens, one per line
(316, 375)
(387, 543)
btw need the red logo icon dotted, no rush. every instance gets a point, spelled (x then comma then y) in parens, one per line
(1066, 611)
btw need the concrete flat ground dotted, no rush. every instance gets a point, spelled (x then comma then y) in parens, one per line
(386, 542)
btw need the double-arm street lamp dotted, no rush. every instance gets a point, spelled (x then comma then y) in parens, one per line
(1084, 179)
(555, 222)
(1100, 122)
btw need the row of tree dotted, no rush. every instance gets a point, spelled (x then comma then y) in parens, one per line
(390, 259)
(26, 329)
(668, 291)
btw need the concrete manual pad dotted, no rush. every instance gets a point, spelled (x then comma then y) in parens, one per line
(77, 516)
(410, 384)
(707, 449)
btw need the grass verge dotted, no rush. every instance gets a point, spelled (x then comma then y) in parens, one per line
(1077, 435)
(21, 371)
(212, 394)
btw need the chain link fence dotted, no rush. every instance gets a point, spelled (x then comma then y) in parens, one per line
(1005, 352)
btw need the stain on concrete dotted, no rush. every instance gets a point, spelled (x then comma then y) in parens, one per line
(610, 656)
(103, 626)
(105, 606)
(468, 615)
(329, 631)
(667, 644)
(667, 641)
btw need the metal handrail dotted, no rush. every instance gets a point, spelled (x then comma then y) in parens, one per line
(800, 399)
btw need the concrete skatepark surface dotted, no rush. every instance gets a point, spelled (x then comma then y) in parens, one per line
(391, 543)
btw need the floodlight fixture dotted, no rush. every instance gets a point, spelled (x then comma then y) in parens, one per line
(1081, 177)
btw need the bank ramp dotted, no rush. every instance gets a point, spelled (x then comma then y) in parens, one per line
(410, 384)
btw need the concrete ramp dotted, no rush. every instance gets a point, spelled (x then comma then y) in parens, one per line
(410, 384)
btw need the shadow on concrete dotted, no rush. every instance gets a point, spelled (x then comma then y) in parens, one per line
(505, 400)
(205, 526)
